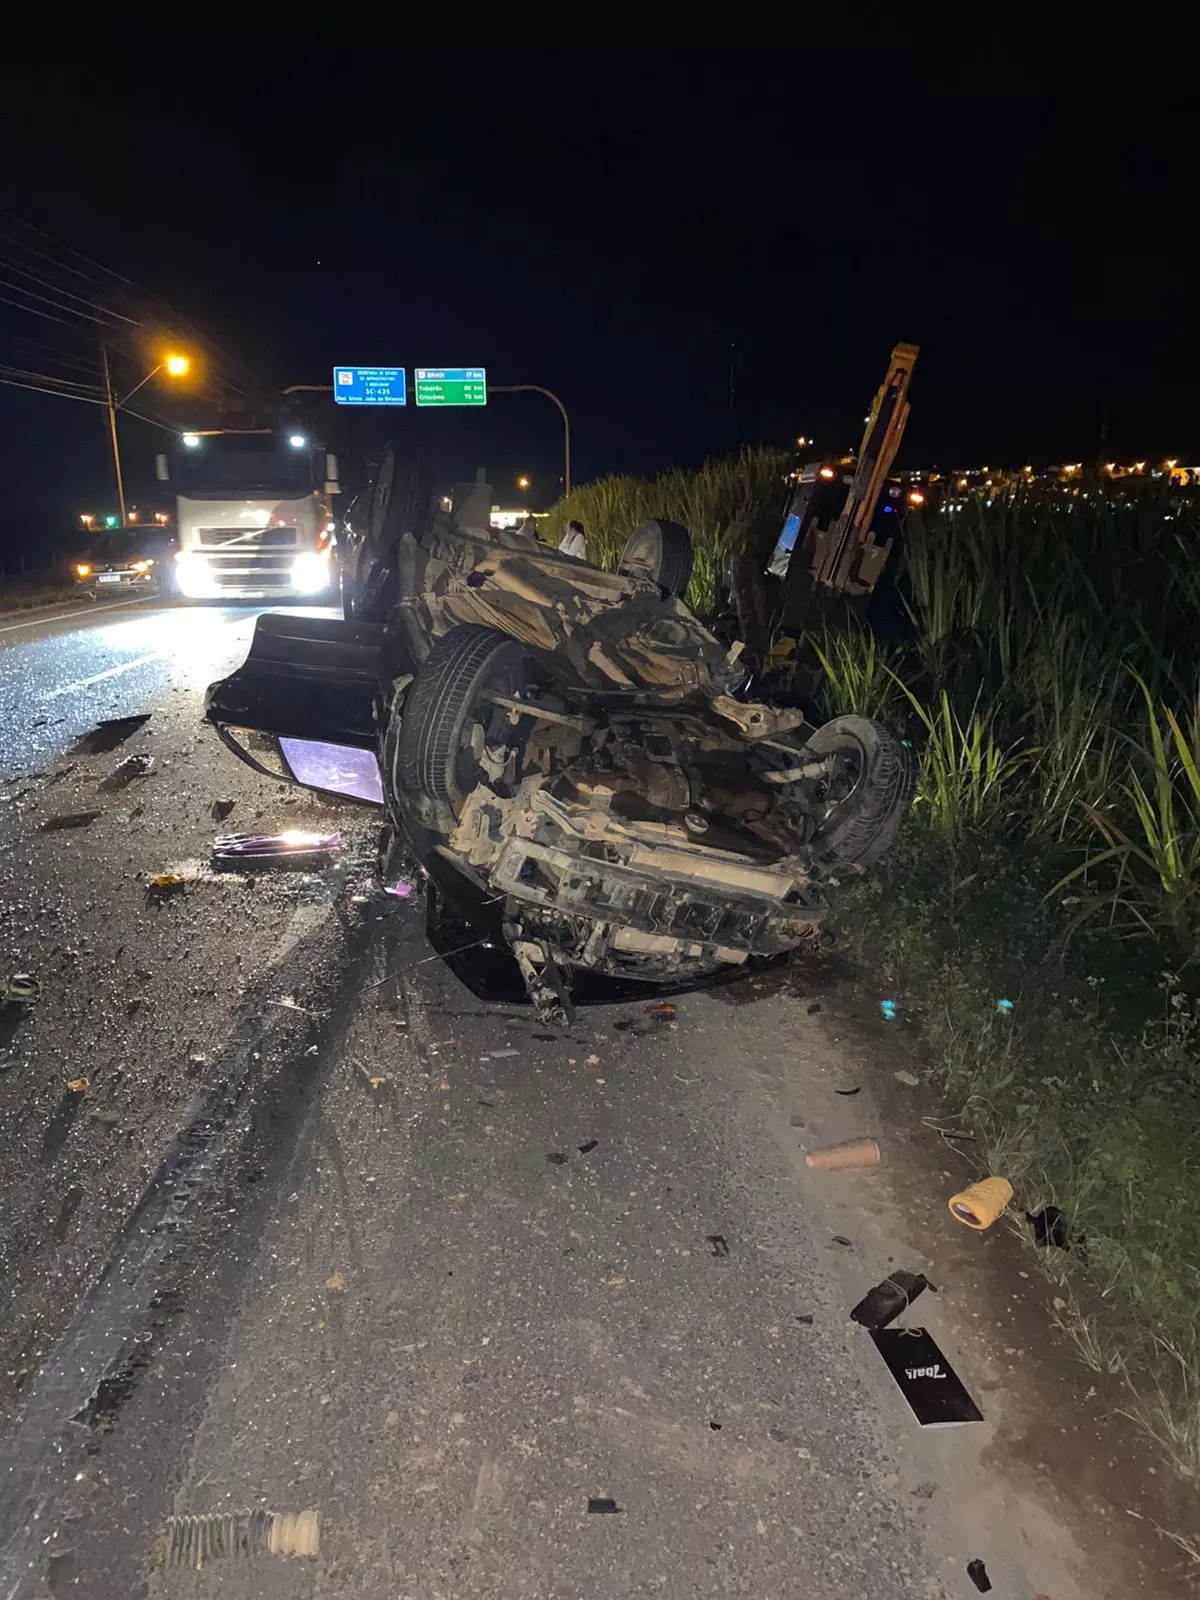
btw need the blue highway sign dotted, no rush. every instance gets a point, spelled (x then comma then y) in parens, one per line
(370, 386)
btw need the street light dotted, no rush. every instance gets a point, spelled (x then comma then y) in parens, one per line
(87, 518)
(536, 388)
(522, 483)
(175, 365)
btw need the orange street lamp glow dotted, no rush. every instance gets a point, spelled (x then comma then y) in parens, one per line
(177, 365)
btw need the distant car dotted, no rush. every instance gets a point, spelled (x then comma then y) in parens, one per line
(128, 559)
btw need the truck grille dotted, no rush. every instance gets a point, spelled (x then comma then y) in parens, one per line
(242, 541)
(249, 558)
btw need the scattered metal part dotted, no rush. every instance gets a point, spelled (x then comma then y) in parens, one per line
(977, 1573)
(500, 1055)
(291, 844)
(69, 819)
(884, 1303)
(588, 1146)
(720, 1245)
(602, 1505)
(190, 1541)
(847, 1093)
(375, 983)
(840, 1238)
(220, 809)
(806, 1317)
(126, 772)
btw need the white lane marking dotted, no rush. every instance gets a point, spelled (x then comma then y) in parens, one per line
(111, 672)
(77, 611)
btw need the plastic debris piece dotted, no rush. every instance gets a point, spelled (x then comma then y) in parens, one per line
(602, 1505)
(79, 1085)
(935, 1393)
(806, 1317)
(841, 1157)
(796, 1120)
(885, 1302)
(847, 1093)
(1005, 1006)
(220, 809)
(888, 1007)
(104, 738)
(840, 1238)
(814, 1008)
(663, 1009)
(336, 1284)
(556, 1158)
(720, 1245)
(982, 1204)
(587, 1147)
(20, 989)
(126, 772)
(164, 883)
(908, 1078)
(1050, 1227)
(500, 1055)
(290, 844)
(400, 890)
(977, 1573)
(68, 819)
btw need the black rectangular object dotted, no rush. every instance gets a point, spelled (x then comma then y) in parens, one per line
(935, 1393)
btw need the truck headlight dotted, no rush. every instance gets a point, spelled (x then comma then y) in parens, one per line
(194, 575)
(310, 572)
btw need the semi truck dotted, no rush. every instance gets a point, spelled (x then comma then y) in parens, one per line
(254, 514)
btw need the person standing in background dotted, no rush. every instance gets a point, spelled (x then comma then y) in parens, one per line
(573, 542)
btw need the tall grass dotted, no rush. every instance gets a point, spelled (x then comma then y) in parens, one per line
(729, 506)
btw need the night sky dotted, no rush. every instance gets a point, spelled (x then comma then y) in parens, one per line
(606, 208)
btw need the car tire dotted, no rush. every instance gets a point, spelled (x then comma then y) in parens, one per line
(661, 551)
(439, 710)
(860, 826)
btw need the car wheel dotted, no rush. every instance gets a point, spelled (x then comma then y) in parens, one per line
(661, 551)
(869, 792)
(437, 748)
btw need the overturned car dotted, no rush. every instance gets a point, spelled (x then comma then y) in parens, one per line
(599, 809)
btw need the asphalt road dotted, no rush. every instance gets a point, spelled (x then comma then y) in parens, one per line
(323, 1233)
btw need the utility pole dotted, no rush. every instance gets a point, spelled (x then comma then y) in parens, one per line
(536, 388)
(111, 403)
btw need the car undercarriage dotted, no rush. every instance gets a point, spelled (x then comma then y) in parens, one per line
(576, 752)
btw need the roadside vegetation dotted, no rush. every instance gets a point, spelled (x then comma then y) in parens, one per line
(1048, 674)
(1049, 679)
(728, 505)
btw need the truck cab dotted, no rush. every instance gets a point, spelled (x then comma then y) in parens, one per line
(254, 514)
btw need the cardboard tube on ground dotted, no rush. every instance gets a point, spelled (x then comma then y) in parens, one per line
(980, 1205)
(854, 1153)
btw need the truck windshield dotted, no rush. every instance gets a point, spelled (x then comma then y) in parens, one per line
(228, 465)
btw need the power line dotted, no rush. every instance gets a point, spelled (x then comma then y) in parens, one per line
(46, 351)
(34, 312)
(67, 294)
(50, 239)
(19, 288)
